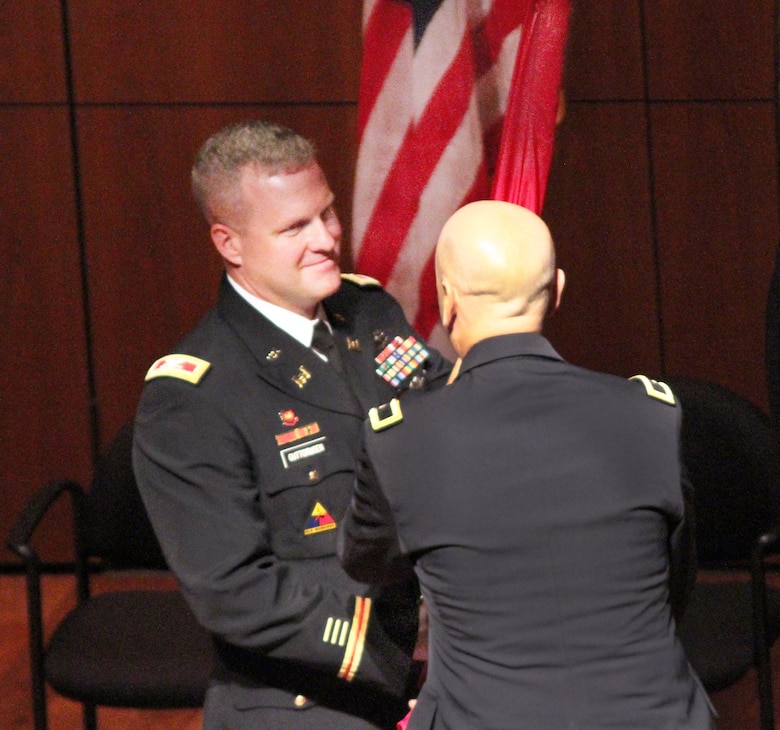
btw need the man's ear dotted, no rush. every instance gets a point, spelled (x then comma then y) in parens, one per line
(447, 305)
(227, 242)
(557, 292)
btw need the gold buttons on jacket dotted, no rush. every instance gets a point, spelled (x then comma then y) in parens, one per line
(314, 475)
(300, 700)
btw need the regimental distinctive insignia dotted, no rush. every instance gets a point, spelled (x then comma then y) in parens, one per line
(297, 434)
(319, 521)
(417, 382)
(288, 417)
(386, 415)
(302, 377)
(400, 359)
(184, 367)
(308, 449)
(656, 389)
(353, 344)
(273, 355)
(380, 339)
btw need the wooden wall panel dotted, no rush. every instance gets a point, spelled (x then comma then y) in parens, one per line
(716, 192)
(215, 51)
(31, 52)
(700, 49)
(153, 270)
(44, 403)
(667, 263)
(598, 208)
(604, 51)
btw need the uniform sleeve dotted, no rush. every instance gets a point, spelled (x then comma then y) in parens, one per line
(368, 544)
(198, 481)
(682, 548)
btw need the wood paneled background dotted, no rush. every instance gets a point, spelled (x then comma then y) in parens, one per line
(663, 196)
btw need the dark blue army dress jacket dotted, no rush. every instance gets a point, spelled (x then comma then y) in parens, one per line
(245, 450)
(542, 508)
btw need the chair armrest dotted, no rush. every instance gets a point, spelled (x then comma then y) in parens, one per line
(20, 542)
(769, 541)
(23, 528)
(22, 531)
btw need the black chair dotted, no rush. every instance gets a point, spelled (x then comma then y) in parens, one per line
(772, 343)
(733, 459)
(123, 648)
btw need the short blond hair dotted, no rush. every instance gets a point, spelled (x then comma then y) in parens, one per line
(268, 147)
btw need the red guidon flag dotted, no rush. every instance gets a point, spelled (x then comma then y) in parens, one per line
(437, 82)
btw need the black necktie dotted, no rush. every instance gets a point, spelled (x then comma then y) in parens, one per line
(324, 343)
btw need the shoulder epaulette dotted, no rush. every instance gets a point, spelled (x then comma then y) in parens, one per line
(386, 415)
(361, 280)
(656, 389)
(184, 367)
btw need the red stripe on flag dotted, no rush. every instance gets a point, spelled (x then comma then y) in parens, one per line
(383, 34)
(428, 312)
(504, 18)
(405, 164)
(418, 156)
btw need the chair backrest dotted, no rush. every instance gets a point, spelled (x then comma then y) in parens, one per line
(733, 459)
(772, 343)
(117, 527)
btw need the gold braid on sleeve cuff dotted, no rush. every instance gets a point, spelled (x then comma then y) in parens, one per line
(357, 639)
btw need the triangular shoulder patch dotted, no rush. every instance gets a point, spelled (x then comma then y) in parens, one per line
(185, 367)
(319, 521)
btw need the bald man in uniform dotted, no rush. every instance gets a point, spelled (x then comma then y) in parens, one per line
(541, 506)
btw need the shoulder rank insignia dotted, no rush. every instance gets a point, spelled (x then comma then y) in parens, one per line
(386, 415)
(185, 367)
(361, 280)
(656, 389)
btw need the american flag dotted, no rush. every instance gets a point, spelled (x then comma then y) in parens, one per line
(437, 79)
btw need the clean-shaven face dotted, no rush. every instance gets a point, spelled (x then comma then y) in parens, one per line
(289, 239)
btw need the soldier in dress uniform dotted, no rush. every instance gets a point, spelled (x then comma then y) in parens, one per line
(541, 505)
(245, 445)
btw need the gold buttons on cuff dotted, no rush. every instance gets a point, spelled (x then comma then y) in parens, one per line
(300, 700)
(314, 475)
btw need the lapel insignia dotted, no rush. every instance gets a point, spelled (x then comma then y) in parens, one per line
(288, 417)
(353, 345)
(400, 359)
(417, 382)
(319, 521)
(302, 377)
(273, 355)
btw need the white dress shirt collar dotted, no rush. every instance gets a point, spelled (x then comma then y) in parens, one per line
(293, 324)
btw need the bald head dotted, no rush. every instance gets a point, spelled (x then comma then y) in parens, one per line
(495, 271)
